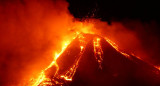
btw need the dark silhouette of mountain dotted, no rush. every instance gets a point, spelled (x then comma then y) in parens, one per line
(83, 67)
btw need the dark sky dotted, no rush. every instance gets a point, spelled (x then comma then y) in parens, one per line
(112, 9)
(141, 17)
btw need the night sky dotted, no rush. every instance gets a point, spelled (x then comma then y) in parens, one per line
(141, 17)
(109, 10)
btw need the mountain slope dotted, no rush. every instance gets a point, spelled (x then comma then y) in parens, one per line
(91, 60)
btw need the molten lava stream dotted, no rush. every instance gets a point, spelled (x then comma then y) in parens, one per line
(98, 51)
(59, 79)
(65, 64)
(42, 76)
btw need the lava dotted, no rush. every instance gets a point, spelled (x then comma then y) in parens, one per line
(42, 79)
(33, 30)
(98, 51)
(60, 71)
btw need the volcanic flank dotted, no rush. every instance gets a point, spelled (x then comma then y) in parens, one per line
(91, 60)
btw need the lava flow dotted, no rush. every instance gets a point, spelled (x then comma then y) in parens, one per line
(87, 58)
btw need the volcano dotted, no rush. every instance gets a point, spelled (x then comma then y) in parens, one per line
(92, 60)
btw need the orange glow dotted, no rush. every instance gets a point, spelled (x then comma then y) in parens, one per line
(98, 51)
(127, 55)
(42, 76)
(35, 34)
(68, 75)
(64, 46)
(115, 46)
(158, 67)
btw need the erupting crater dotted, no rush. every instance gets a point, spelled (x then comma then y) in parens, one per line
(92, 60)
